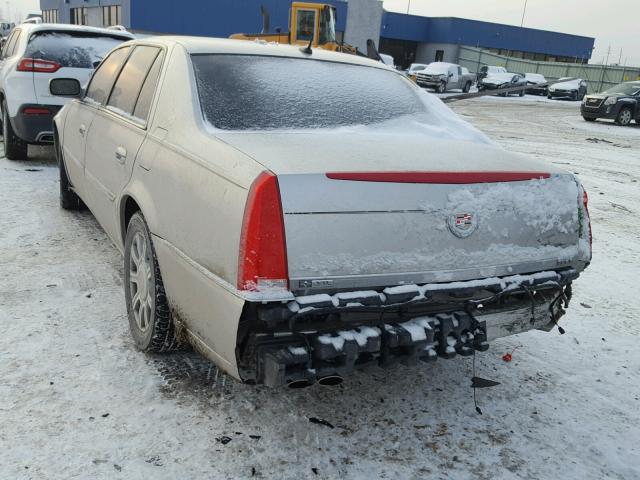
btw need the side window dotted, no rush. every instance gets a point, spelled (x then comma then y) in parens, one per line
(459, 70)
(11, 45)
(306, 24)
(148, 89)
(104, 77)
(5, 49)
(127, 88)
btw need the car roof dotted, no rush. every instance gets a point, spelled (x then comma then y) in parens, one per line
(59, 27)
(206, 45)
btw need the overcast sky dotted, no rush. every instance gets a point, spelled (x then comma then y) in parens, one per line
(614, 23)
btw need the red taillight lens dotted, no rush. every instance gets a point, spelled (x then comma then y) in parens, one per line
(36, 111)
(37, 65)
(262, 262)
(585, 202)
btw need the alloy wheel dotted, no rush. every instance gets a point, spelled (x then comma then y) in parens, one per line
(141, 282)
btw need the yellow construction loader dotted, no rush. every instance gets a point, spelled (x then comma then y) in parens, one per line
(310, 24)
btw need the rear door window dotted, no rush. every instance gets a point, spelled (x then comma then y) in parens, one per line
(72, 49)
(148, 89)
(11, 45)
(105, 76)
(129, 84)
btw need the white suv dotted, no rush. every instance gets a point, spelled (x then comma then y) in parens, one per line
(33, 55)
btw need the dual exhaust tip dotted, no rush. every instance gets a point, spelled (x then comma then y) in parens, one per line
(327, 380)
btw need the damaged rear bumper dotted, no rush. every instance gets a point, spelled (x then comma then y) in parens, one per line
(318, 337)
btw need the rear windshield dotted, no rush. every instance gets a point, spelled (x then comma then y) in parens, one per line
(249, 92)
(71, 49)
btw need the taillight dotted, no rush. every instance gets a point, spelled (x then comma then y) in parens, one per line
(38, 65)
(36, 111)
(585, 202)
(262, 261)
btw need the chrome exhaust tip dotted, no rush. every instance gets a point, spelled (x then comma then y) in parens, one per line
(300, 383)
(331, 380)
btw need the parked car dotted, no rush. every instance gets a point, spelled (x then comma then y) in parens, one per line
(304, 232)
(570, 88)
(497, 81)
(537, 84)
(32, 56)
(620, 103)
(387, 60)
(413, 70)
(443, 76)
(487, 70)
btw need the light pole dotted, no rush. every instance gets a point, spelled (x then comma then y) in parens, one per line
(408, 6)
(524, 11)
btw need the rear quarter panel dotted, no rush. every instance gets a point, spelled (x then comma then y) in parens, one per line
(192, 190)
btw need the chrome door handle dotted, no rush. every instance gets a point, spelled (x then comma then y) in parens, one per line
(82, 130)
(121, 154)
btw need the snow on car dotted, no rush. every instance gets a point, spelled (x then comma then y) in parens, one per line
(303, 232)
(571, 88)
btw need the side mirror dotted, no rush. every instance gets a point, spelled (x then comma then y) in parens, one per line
(65, 87)
(450, 74)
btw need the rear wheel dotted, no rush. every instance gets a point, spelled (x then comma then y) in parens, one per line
(150, 321)
(625, 116)
(467, 87)
(14, 148)
(522, 93)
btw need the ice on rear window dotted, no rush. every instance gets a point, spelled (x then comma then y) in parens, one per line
(241, 92)
(71, 49)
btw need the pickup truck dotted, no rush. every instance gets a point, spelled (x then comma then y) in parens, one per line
(443, 76)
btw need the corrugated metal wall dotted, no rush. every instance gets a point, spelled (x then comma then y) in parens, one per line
(598, 77)
(215, 18)
(461, 31)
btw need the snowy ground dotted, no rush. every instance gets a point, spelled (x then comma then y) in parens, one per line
(78, 401)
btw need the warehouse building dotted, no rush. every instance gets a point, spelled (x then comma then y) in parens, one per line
(408, 38)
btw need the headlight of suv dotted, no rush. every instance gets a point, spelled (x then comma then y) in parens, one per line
(611, 101)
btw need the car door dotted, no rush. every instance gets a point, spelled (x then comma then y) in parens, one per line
(79, 119)
(453, 77)
(115, 137)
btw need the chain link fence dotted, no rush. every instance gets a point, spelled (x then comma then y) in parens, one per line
(598, 77)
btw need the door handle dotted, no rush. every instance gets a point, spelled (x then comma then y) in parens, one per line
(121, 154)
(82, 130)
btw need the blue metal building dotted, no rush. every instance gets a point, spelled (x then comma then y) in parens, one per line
(408, 38)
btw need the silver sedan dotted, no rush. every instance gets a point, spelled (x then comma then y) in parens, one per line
(296, 215)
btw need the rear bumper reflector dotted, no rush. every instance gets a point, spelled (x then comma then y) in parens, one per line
(437, 177)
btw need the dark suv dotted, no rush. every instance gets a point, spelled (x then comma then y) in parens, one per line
(620, 103)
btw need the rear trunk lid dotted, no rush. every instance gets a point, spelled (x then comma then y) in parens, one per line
(365, 211)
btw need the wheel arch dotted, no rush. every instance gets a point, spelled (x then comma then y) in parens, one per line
(135, 199)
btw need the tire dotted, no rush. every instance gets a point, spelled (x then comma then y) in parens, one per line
(589, 119)
(581, 95)
(14, 148)
(522, 93)
(624, 116)
(69, 200)
(442, 87)
(467, 87)
(549, 96)
(150, 323)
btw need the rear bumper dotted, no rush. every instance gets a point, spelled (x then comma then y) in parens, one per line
(34, 127)
(537, 90)
(323, 336)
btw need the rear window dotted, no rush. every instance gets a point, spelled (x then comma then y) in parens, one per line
(248, 92)
(72, 49)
